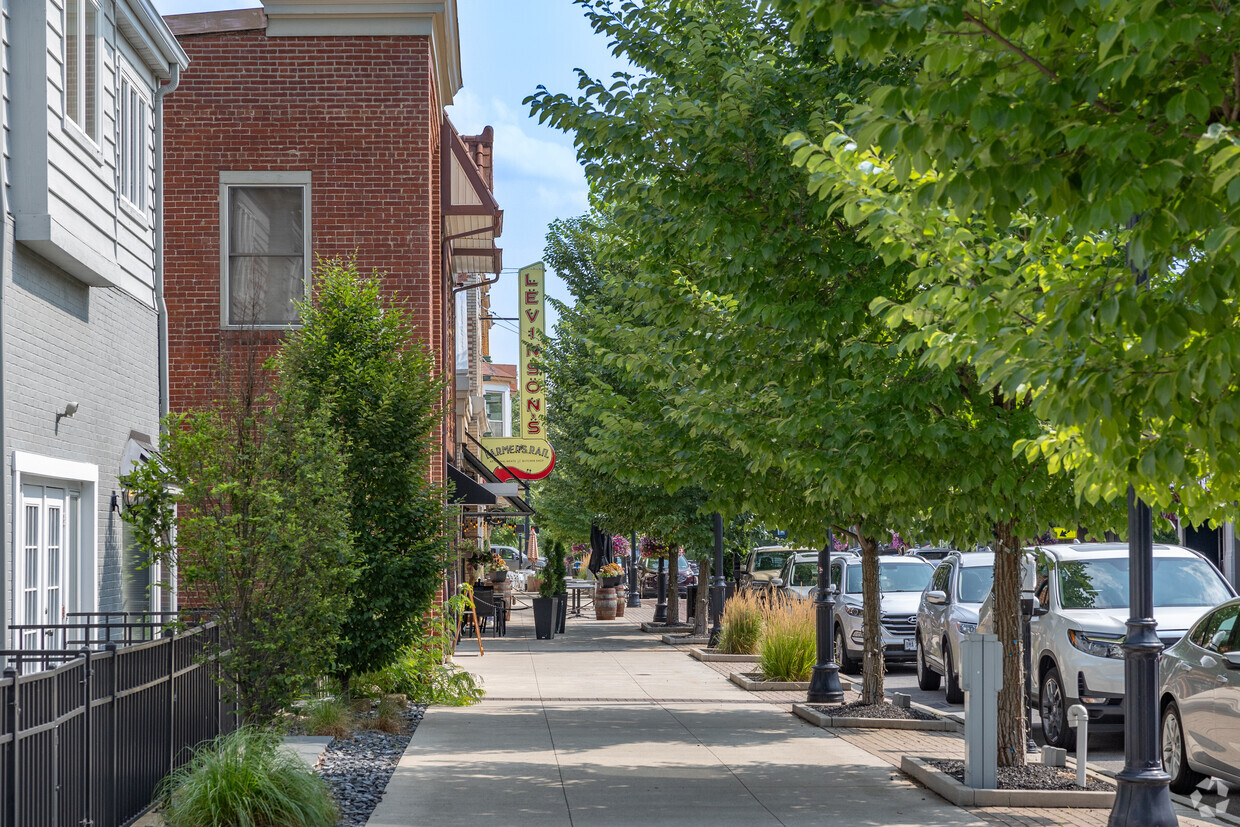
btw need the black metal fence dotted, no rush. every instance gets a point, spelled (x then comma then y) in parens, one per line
(87, 733)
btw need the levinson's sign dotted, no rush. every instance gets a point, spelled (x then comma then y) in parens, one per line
(529, 455)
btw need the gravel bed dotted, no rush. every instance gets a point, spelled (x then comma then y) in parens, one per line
(858, 709)
(1029, 777)
(357, 768)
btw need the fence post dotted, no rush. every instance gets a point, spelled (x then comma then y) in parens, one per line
(170, 642)
(11, 715)
(113, 706)
(87, 752)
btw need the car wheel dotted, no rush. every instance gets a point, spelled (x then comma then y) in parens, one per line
(955, 695)
(1053, 704)
(1184, 779)
(927, 679)
(847, 665)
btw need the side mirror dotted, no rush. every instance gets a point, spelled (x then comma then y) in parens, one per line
(1232, 659)
(936, 597)
(777, 582)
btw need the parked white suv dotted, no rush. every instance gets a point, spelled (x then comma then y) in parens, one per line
(901, 581)
(1082, 591)
(947, 612)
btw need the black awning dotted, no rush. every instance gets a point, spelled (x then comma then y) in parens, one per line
(466, 491)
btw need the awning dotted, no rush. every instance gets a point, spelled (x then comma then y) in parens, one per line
(487, 474)
(466, 491)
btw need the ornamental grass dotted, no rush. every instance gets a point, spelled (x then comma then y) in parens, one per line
(246, 779)
(741, 624)
(787, 649)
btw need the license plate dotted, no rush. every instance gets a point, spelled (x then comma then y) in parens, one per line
(910, 645)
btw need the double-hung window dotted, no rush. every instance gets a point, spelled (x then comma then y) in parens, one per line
(131, 121)
(82, 65)
(265, 247)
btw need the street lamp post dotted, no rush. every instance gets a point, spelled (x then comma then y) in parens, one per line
(635, 583)
(719, 585)
(824, 681)
(1142, 794)
(660, 606)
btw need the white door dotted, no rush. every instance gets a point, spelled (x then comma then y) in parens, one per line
(49, 576)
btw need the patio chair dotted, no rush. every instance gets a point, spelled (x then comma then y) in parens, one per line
(490, 609)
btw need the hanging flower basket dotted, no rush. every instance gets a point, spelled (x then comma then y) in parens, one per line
(653, 549)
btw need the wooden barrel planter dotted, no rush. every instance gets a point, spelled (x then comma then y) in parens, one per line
(605, 604)
(621, 594)
(504, 589)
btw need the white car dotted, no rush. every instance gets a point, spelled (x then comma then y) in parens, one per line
(901, 580)
(947, 613)
(798, 576)
(1081, 620)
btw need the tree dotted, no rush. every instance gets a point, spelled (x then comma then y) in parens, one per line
(1039, 157)
(356, 359)
(254, 487)
(745, 316)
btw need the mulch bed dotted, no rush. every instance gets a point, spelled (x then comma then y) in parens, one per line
(1029, 777)
(859, 709)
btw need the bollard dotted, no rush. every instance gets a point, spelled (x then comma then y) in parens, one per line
(902, 700)
(981, 678)
(1054, 757)
(1078, 716)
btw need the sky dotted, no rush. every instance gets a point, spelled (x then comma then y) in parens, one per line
(508, 48)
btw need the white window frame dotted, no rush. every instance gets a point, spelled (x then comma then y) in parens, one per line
(75, 122)
(131, 140)
(228, 179)
(79, 477)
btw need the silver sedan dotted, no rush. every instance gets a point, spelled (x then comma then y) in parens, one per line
(1200, 701)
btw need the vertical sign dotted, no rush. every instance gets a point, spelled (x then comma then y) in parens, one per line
(528, 455)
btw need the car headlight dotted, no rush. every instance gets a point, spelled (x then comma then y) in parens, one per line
(853, 611)
(965, 628)
(1096, 645)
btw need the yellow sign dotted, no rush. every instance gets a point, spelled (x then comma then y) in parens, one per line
(527, 456)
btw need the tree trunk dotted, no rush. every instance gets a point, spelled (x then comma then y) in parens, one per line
(1007, 622)
(701, 616)
(873, 665)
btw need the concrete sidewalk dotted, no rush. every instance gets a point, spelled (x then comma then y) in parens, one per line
(607, 726)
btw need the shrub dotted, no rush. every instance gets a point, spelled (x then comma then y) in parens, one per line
(387, 717)
(788, 647)
(741, 624)
(329, 716)
(245, 779)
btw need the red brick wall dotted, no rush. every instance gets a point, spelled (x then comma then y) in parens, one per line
(362, 114)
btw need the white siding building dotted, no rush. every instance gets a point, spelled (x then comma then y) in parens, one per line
(80, 356)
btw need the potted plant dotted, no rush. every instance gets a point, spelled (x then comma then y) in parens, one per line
(497, 568)
(545, 608)
(610, 575)
(557, 573)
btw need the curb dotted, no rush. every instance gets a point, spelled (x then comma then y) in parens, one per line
(956, 793)
(744, 681)
(711, 656)
(684, 640)
(806, 712)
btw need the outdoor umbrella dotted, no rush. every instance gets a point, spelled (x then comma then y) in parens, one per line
(600, 549)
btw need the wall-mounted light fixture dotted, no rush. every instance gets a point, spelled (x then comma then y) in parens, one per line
(69, 411)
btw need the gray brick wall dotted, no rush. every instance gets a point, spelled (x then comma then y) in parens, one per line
(65, 342)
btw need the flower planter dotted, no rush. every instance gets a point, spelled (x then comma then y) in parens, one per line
(544, 617)
(499, 576)
(611, 582)
(604, 604)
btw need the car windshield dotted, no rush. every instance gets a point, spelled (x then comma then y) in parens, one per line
(1103, 584)
(804, 574)
(974, 583)
(766, 560)
(892, 577)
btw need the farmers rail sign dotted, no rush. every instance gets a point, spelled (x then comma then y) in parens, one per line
(529, 455)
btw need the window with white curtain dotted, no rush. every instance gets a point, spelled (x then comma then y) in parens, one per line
(266, 240)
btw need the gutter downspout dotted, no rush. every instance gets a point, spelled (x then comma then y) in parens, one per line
(161, 308)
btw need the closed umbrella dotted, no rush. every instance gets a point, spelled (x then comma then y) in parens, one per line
(600, 549)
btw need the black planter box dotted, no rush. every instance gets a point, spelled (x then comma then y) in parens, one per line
(561, 611)
(545, 617)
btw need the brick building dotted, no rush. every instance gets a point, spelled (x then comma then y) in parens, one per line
(305, 131)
